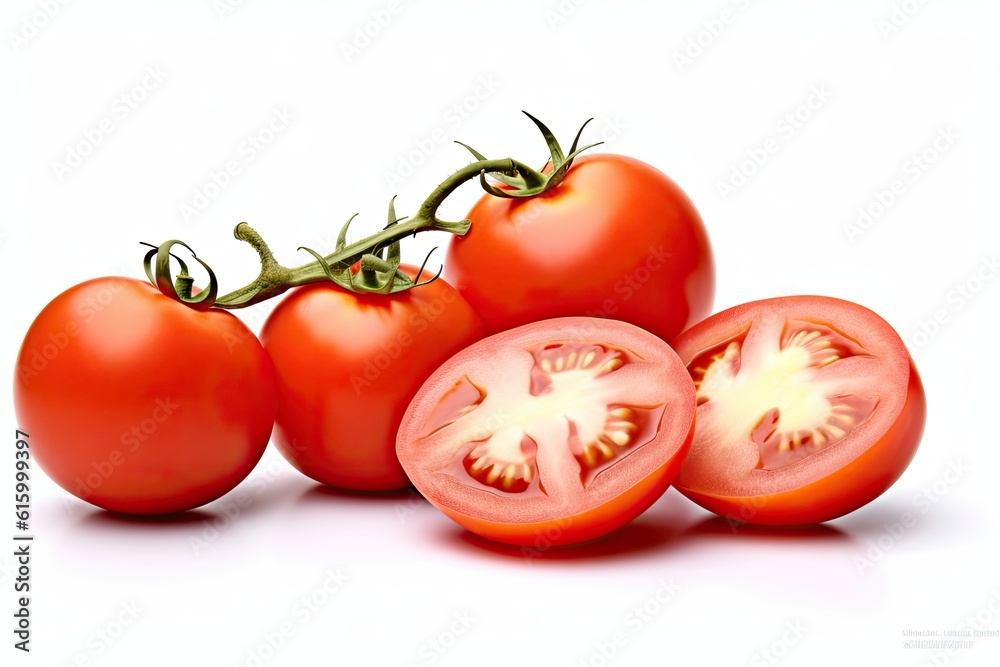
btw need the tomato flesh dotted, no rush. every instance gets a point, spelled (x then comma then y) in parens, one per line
(791, 392)
(578, 423)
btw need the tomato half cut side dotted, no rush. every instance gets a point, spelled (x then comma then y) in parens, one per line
(556, 432)
(808, 408)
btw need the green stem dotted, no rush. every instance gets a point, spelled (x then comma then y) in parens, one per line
(275, 279)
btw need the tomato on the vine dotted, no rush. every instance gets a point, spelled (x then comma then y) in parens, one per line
(553, 433)
(347, 365)
(808, 408)
(614, 238)
(139, 404)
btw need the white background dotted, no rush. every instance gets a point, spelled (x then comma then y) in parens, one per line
(410, 573)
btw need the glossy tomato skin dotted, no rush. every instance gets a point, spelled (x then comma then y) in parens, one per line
(832, 490)
(348, 364)
(616, 238)
(139, 404)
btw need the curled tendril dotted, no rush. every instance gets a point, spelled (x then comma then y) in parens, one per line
(179, 290)
(528, 182)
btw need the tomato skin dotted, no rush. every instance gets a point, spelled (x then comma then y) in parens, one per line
(347, 366)
(839, 490)
(139, 404)
(583, 527)
(855, 485)
(506, 375)
(616, 238)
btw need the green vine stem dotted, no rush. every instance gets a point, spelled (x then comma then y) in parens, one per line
(371, 264)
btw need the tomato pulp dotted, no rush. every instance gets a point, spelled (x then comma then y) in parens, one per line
(808, 408)
(553, 433)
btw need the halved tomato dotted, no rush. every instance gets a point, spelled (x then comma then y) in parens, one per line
(808, 408)
(553, 433)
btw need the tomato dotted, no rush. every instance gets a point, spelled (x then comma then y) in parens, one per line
(347, 365)
(553, 433)
(137, 403)
(808, 408)
(616, 238)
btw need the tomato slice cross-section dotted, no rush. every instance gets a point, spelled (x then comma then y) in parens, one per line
(553, 433)
(808, 408)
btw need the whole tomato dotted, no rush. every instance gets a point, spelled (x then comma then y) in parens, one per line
(615, 238)
(137, 403)
(347, 365)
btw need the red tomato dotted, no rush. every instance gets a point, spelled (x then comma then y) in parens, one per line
(616, 238)
(808, 408)
(554, 433)
(348, 364)
(137, 403)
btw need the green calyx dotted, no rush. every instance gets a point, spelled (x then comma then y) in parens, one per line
(378, 270)
(370, 265)
(527, 182)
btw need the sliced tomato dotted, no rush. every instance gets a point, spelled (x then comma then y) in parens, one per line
(808, 408)
(552, 433)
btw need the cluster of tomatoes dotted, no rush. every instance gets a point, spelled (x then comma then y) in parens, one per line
(564, 373)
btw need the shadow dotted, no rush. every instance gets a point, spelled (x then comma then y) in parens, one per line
(718, 528)
(318, 494)
(655, 531)
(630, 541)
(939, 522)
(106, 520)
